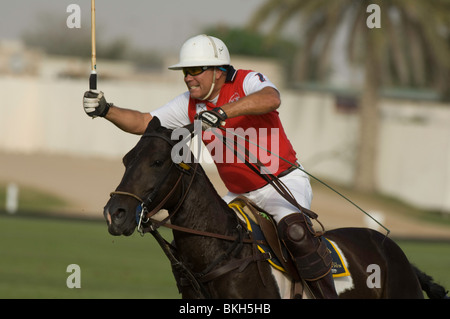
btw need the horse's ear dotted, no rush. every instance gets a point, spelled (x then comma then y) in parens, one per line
(153, 125)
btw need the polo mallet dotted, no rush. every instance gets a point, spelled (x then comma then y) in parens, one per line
(93, 76)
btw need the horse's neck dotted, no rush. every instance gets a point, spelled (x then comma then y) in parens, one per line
(203, 210)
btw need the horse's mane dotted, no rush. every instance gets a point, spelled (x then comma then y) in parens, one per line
(155, 126)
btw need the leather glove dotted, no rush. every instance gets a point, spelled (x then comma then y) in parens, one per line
(214, 118)
(94, 104)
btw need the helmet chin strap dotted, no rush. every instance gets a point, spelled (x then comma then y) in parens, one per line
(212, 86)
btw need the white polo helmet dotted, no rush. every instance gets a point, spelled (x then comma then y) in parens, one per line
(202, 50)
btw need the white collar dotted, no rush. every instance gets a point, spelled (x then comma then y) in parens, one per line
(214, 100)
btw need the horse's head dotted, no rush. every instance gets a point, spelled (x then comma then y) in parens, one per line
(149, 176)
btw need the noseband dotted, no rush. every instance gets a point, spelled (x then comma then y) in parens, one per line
(142, 214)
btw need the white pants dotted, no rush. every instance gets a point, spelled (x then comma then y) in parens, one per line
(268, 198)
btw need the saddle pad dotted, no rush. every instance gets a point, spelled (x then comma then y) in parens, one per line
(339, 268)
(254, 228)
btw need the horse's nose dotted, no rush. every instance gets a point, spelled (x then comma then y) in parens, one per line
(107, 215)
(114, 215)
(117, 216)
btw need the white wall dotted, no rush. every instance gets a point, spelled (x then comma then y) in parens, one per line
(47, 116)
(414, 157)
(44, 114)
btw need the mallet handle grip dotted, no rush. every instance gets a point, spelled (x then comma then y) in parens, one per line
(93, 76)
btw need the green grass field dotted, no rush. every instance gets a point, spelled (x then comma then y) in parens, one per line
(431, 257)
(35, 253)
(31, 199)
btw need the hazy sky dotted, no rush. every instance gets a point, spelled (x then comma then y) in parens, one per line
(161, 24)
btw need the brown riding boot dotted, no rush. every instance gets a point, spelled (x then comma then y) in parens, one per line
(323, 288)
(310, 254)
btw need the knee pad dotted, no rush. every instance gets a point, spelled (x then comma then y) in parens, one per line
(309, 252)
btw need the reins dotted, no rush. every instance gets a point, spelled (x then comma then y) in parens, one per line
(253, 163)
(146, 217)
(304, 171)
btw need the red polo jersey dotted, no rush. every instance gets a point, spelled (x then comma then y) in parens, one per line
(264, 130)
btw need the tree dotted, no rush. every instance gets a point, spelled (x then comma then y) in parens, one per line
(410, 48)
(242, 41)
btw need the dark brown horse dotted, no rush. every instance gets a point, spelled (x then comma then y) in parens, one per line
(228, 265)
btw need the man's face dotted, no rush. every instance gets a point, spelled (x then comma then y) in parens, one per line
(199, 85)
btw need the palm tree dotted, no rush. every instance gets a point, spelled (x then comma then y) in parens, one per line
(411, 48)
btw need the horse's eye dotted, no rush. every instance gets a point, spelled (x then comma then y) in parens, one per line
(157, 163)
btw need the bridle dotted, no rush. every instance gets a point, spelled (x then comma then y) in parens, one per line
(143, 215)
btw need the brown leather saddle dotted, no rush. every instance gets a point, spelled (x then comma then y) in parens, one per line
(267, 232)
(264, 229)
